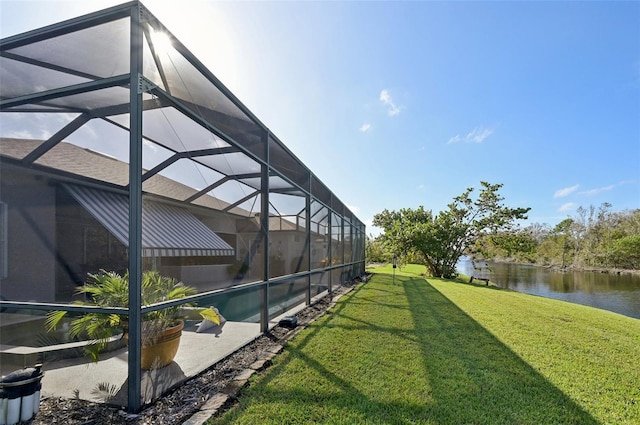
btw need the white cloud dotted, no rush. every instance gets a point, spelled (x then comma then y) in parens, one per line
(21, 134)
(365, 127)
(42, 134)
(598, 190)
(386, 99)
(353, 209)
(89, 132)
(567, 207)
(455, 139)
(628, 182)
(477, 135)
(561, 193)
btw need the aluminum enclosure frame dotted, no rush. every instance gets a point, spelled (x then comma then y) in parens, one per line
(236, 130)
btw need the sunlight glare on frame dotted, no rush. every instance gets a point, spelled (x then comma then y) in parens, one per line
(160, 40)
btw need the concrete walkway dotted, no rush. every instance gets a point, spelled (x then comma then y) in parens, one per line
(79, 378)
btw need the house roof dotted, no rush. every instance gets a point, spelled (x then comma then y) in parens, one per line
(70, 158)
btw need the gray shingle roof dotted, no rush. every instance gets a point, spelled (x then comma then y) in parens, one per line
(85, 162)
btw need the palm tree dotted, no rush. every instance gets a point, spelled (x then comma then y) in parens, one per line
(109, 289)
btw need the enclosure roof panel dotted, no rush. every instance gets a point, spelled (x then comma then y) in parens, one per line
(95, 52)
(84, 66)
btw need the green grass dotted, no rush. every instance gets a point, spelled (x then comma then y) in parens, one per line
(440, 352)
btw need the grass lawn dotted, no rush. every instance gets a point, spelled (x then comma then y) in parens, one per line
(430, 351)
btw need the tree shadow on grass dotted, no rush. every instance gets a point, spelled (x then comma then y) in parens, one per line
(474, 377)
(339, 401)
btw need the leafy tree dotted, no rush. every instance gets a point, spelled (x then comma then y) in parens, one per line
(443, 238)
(514, 243)
(374, 251)
(397, 236)
(626, 252)
(538, 231)
(563, 235)
(522, 245)
(595, 237)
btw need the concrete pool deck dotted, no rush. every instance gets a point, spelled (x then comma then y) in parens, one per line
(79, 378)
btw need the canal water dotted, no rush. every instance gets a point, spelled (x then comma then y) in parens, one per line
(613, 292)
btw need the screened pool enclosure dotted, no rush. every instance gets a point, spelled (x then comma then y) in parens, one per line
(121, 153)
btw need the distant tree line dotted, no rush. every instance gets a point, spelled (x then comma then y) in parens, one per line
(593, 238)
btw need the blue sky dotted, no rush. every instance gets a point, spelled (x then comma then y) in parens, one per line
(401, 104)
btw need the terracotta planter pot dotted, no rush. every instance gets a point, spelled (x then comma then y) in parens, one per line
(163, 351)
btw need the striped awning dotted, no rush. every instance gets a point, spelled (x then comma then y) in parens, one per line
(167, 230)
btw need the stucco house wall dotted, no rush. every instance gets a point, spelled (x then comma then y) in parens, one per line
(31, 238)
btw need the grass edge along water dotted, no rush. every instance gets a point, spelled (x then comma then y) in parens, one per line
(433, 351)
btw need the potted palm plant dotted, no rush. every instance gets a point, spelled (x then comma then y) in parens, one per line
(161, 329)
